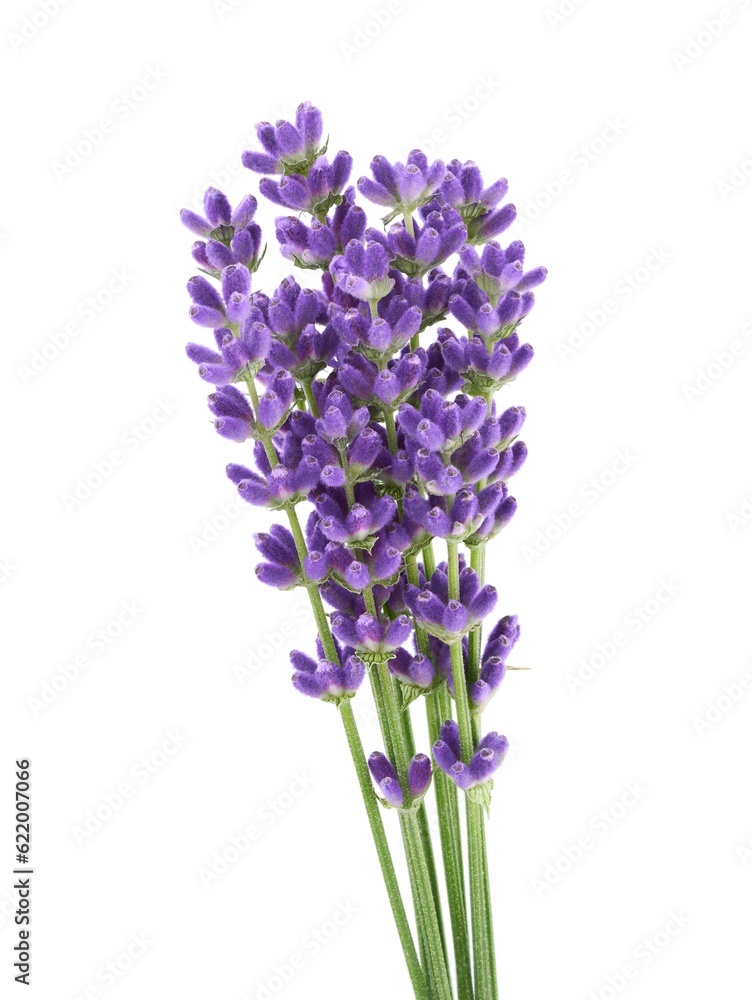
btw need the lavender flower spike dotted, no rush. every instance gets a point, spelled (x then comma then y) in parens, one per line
(288, 148)
(327, 681)
(362, 271)
(402, 187)
(385, 775)
(486, 759)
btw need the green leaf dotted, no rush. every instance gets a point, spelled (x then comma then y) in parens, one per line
(481, 794)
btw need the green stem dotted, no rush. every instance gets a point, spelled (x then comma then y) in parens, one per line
(480, 895)
(364, 778)
(310, 398)
(317, 605)
(266, 438)
(438, 974)
(451, 849)
(425, 831)
(382, 849)
(462, 701)
(483, 947)
(489, 909)
(429, 560)
(391, 431)
(398, 742)
(478, 563)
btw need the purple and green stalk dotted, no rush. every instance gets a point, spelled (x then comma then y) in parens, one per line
(353, 399)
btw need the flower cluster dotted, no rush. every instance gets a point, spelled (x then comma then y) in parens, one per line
(485, 760)
(352, 397)
(364, 393)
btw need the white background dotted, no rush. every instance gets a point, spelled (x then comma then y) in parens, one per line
(666, 176)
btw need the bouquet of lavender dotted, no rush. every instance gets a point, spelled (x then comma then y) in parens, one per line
(397, 448)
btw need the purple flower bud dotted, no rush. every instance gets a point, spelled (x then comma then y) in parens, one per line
(364, 449)
(279, 577)
(316, 565)
(385, 775)
(194, 222)
(417, 671)
(444, 756)
(455, 617)
(275, 402)
(487, 757)
(419, 775)
(356, 575)
(325, 680)
(483, 603)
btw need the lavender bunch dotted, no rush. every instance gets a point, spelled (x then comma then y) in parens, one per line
(372, 430)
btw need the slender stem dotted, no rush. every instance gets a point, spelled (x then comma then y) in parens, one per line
(489, 909)
(382, 849)
(483, 948)
(425, 831)
(349, 488)
(266, 438)
(398, 742)
(419, 908)
(378, 697)
(478, 563)
(364, 779)
(317, 605)
(439, 976)
(429, 560)
(391, 430)
(401, 756)
(458, 660)
(480, 896)
(310, 398)
(451, 850)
